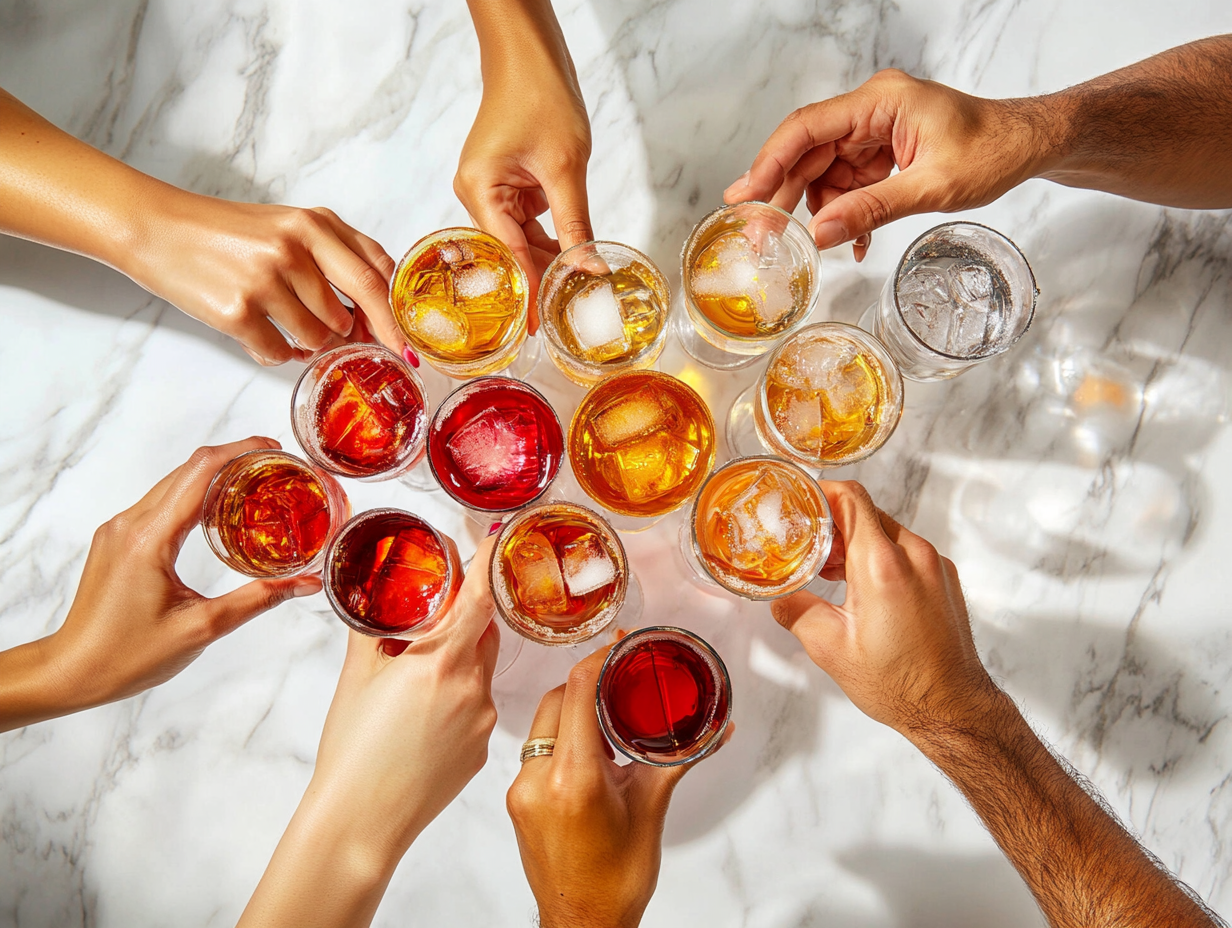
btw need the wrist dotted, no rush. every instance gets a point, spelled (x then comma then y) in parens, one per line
(34, 685)
(1038, 130)
(966, 727)
(152, 219)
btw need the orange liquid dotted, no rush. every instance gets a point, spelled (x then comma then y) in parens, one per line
(641, 443)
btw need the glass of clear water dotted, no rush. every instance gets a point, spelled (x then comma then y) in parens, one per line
(961, 294)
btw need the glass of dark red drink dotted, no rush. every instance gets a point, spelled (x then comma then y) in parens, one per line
(360, 411)
(664, 697)
(495, 445)
(271, 514)
(389, 573)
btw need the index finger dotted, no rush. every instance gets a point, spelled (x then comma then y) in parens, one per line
(856, 519)
(802, 131)
(496, 221)
(580, 740)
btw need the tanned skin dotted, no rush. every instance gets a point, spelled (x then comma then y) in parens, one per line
(1159, 130)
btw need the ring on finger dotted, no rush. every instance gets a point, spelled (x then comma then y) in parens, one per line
(537, 747)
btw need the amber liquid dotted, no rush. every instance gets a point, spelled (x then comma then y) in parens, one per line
(641, 308)
(272, 515)
(641, 443)
(390, 573)
(369, 414)
(758, 526)
(663, 699)
(825, 398)
(746, 289)
(459, 300)
(561, 570)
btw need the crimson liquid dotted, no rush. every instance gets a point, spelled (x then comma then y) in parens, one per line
(360, 411)
(664, 696)
(495, 444)
(389, 572)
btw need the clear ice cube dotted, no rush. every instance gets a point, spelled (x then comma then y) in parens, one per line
(628, 419)
(497, 447)
(587, 565)
(536, 571)
(595, 319)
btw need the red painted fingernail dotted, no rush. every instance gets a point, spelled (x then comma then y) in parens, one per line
(411, 357)
(494, 528)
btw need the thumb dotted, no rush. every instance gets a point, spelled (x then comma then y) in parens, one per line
(570, 208)
(858, 212)
(231, 610)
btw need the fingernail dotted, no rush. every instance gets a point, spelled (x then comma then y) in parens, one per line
(829, 233)
(306, 586)
(495, 527)
(738, 184)
(411, 357)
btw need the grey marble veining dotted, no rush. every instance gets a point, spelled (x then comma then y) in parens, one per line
(1080, 482)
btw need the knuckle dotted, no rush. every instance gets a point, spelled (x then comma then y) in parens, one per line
(874, 208)
(579, 678)
(370, 281)
(205, 458)
(325, 213)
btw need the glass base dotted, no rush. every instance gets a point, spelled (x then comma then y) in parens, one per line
(419, 478)
(630, 524)
(705, 353)
(510, 648)
(868, 320)
(742, 438)
(526, 361)
(694, 569)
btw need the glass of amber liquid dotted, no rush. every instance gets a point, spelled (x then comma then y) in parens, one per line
(750, 275)
(831, 395)
(559, 574)
(270, 514)
(664, 697)
(641, 443)
(389, 573)
(603, 307)
(461, 299)
(760, 528)
(360, 411)
(495, 445)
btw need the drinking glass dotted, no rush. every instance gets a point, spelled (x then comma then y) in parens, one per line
(830, 395)
(961, 294)
(750, 275)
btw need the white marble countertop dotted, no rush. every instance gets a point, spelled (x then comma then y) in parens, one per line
(1089, 540)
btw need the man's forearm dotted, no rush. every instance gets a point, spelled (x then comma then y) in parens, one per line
(1159, 130)
(1084, 869)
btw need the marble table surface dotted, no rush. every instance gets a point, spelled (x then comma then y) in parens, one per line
(1087, 533)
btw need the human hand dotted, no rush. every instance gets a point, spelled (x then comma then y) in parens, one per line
(409, 724)
(133, 623)
(590, 832)
(900, 644)
(242, 267)
(526, 153)
(953, 151)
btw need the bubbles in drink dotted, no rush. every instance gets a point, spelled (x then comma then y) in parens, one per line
(958, 304)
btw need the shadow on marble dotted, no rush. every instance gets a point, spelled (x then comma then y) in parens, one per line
(1124, 696)
(932, 890)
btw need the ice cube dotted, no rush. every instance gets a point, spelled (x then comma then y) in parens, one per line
(772, 296)
(441, 327)
(971, 283)
(536, 572)
(812, 363)
(802, 421)
(587, 565)
(769, 518)
(653, 466)
(473, 282)
(637, 305)
(452, 254)
(595, 319)
(850, 392)
(497, 447)
(629, 418)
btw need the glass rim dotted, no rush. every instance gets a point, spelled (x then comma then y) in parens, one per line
(227, 556)
(651, 375)
(485, 381)
(826, 519)
(883, 355)
(451, 233)
(898, 270)
(813, 257)
(623, 569)
(622, 647)
(334, 355)
(553, 336)
(367, 516)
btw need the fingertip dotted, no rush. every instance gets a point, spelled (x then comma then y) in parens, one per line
(829, 233)
(306, 586)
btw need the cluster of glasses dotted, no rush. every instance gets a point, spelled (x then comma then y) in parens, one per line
(641, 443)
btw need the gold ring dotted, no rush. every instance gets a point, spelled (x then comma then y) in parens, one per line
(537, 747)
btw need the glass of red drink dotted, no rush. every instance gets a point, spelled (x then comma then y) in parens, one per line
(664, 697)
(495, 445)
(270, 514)
(360, 411)
(389, 573)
